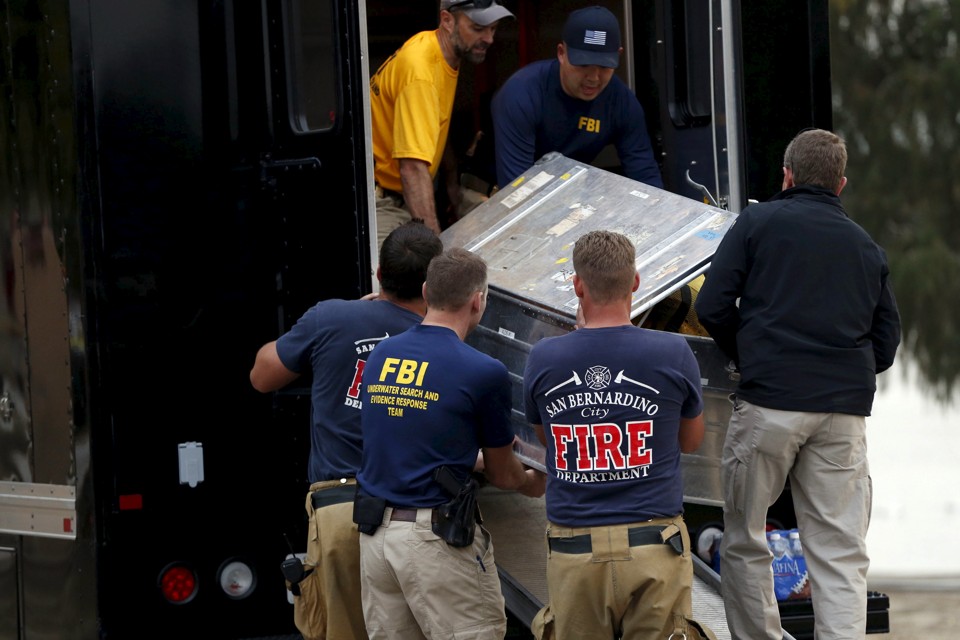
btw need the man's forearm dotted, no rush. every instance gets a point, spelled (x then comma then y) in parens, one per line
(418, 192)
(534, 485)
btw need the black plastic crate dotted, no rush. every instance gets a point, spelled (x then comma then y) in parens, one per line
(796, 616)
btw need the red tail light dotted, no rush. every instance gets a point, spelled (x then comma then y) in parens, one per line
(178, 583)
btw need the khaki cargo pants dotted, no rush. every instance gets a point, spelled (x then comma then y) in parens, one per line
(391, 213)
(612, 588)
(416, 586)
(328, 607)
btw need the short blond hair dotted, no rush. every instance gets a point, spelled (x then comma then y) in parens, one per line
(606, 262)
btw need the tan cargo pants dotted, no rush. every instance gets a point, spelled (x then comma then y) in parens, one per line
(417, 586)
(825, 457)
(328, 607)
(616, 589)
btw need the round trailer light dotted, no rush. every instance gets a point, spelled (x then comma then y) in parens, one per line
(237, 579)
(178, 583)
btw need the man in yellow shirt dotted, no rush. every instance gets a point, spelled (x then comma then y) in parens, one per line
(411, 102)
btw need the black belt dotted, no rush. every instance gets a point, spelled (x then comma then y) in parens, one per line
(333, 495)
(637, 536)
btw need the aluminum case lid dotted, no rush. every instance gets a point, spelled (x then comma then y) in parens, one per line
(526, 232)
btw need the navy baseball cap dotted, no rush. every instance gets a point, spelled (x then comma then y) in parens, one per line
(483, 12)
(592, 36)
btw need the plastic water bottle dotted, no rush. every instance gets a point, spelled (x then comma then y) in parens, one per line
(777, 545)
(801, 588)
(794, 546)
(784, 570)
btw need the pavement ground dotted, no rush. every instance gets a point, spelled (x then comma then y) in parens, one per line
(922, 611)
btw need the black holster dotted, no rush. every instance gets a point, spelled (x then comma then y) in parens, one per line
(456, 520)
(368, 512)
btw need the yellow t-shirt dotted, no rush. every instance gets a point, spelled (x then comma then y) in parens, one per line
(411, 101)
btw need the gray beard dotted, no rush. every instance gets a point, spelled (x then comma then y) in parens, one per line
(467, 55)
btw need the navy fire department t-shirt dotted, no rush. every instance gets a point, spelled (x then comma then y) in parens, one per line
(610, 402)
(428, 400)
(333, 339)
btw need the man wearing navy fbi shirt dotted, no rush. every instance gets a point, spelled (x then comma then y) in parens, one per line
(574, 105)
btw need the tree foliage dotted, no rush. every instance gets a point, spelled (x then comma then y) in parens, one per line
(896, 93)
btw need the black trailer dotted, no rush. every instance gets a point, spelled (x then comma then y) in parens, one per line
(178, 183)
(174, 191)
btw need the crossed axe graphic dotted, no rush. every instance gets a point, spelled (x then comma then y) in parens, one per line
(622, 378)
(575, 379)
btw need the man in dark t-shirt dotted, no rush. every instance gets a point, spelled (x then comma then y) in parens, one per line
(574, 105)
(431, 401)
(615, 406)
(332, 340)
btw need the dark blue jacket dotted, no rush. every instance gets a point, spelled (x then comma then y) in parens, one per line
(816, 319)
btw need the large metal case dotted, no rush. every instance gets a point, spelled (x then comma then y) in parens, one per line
(526, 232)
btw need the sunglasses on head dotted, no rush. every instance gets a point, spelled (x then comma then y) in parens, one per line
(479, 4)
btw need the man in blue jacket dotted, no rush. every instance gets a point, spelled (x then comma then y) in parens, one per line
(798, 296)
(574, 105)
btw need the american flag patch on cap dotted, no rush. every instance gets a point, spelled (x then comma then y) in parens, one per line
(595, 37)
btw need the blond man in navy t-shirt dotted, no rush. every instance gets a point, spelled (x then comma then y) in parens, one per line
(615, 406)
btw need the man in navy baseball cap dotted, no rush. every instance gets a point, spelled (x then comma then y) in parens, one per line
(592, 37)
(573, 104)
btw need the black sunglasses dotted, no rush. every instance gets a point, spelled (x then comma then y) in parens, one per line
(479, 4)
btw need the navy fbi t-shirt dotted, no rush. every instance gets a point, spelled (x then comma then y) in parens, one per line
(428, 400)
(533, 116)
(610, 401)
